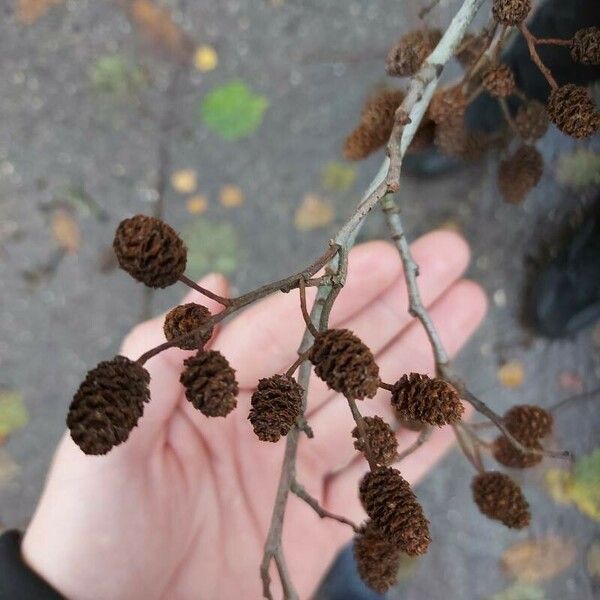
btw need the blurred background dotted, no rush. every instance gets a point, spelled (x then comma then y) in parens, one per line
(227, 119)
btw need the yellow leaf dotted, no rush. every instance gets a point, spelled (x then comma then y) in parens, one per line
(592, 561)
(184, 181)
(313, 213)
(558, 483)
(231, 196)
(205, 58)
(511, 374)
(66, 231)
(535, 560)
(196, 205)
(29, 11)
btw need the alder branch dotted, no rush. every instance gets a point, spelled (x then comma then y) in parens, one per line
(423, 437)
(535, 57)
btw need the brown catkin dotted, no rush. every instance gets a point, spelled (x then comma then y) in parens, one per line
(499, 81)
(388, 499)
(108, 405)
(210, 383)
(382, 440)
(377, 559)
(585, 46)
(276, 404)
(448, 105)
(511, 12)
(519, 173)
(571, 108)
(420, 398)
(528, 423)
(408, 53)
(509, 456)
(532, 120)
(186, 318)
(150, 251)
(346, 364)
(500, 498)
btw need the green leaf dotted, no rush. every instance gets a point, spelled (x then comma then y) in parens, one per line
(116, 74)
(13, 413)
(212, 247)
(579, 169)
(337, 176)
(232, 110)
(520, 591)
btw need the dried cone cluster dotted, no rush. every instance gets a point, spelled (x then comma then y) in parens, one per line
(394, 509)
(585, 46)
(500, 498)
(408, 53)
(276, 404)
(532, 120)
(108, 405)
(572, 110)
(185, 319)
(150, 251)
(511, 12)
(382, 441)
(210, 383)
(377, 559)
(343, 362)
(499, 81)
(420, 398)
(519, 173)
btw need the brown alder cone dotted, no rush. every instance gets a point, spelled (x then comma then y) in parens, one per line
(210, 383)
(500, 498)
(532, 120)
(388, 499)
(499, 81)
(528, 423)
(519, 173)
(185, 318)
(585, 46)
(276, 404)
(448, 104)
(382, 440)
(408, 53)
(471, 49)
(509, 456)
(108, 404)
(150, 251)
(419, 398)
(377, 559)
(345, 363)
(511, 12)
(571, 108)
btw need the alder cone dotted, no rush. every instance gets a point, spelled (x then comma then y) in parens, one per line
(108, 405)
(571, 108)
(185, 318)
(362, 142)
(585, 47)
(382, 440)
(448, 105)
(499, 81)
(419, 398)
(528, 423)
(388, 499)
(410, 51)
(276, 404)
(345, 363)
(500, 498)
(532, 120)
(377, 559)
(509, 456)
(150, 251)
(511, 12)
(210, 383)
(519, 174)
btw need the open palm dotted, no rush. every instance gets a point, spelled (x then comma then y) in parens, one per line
(182, 509)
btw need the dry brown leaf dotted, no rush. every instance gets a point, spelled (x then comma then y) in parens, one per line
(66, 231)
(535, 560)
(29, 11)
(156, 26)
(511, 374)
(313, 213)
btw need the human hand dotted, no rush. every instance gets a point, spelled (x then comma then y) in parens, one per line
(182, 509)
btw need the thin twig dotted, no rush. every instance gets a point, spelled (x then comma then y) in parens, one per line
(424, 435)
(301, 357)
(205, 292)
(307, 320)
(472, 456)
(535, 57)
(362, 430)
(575, 398)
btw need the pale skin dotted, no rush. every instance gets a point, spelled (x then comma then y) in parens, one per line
(181, 510)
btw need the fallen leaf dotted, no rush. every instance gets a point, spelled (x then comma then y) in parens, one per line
(196, 205)
(511, 374)
(338, 176)
(9, 469)
(13, 413)
(205, 58)
(212, 247)
(592, 561)
(157, 27)
(116, 74)
(29, 11)
(570, 381)
(65, 230)
(520, 591)
(232, 110)
(313, 213)
(535, 560)
(184, 181)
(580, 169)
(231, 196)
